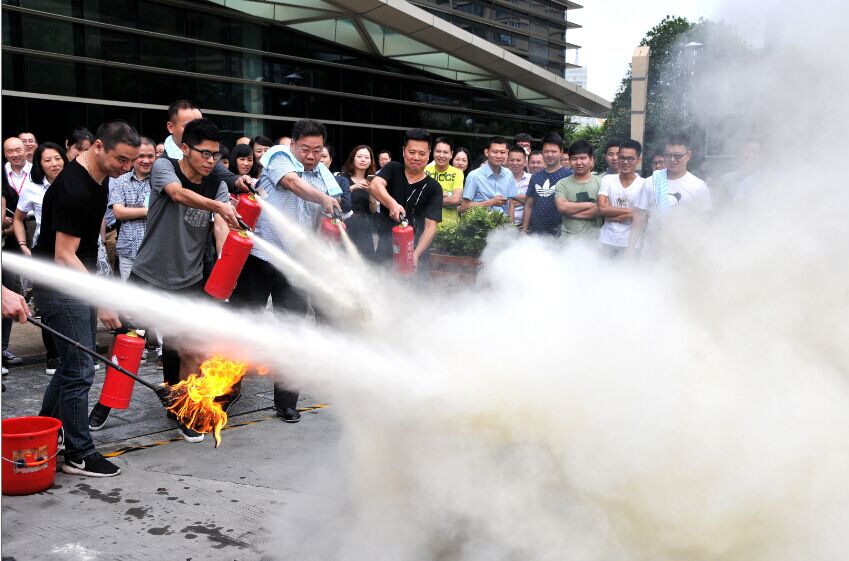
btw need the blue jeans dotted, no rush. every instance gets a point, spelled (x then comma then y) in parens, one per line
(66, 397)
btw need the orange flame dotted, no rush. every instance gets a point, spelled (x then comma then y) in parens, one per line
(195, 403)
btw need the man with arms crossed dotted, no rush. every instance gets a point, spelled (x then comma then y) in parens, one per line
(617, 197)
(577, 195)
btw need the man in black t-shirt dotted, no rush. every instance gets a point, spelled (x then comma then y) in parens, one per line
(72, 212)
(406, 189)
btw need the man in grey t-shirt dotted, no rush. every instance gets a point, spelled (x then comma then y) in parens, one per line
(183, 198)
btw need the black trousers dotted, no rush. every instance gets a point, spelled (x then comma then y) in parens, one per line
(170, 355)
(259, 280)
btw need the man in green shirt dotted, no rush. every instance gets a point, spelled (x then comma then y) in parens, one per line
(575, 196)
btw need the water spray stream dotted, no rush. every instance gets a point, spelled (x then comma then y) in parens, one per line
(330, 303)
(349, 246)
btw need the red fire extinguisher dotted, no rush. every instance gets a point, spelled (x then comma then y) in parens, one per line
(402, 247)
(331, 228)
(248, 208)
(118, 388)
(229, 266)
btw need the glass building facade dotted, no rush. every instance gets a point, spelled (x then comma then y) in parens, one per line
(532, 29)
(79, 62)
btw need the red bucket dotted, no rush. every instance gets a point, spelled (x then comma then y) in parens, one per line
(30, 445)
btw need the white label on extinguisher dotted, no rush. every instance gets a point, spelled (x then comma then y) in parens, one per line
(115, 359)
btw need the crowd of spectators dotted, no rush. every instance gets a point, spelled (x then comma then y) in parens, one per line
(156, 214)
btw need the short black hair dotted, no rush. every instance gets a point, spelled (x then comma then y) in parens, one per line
(385, 151)
(444, 140)
(522, 137)
(614, 143)
(113, 133)
(632, 145)
(678, 139)
(308, 127)
(147, 140)
(581, 146)
(417, 135)
(177, 106)
(553, 138)
(535, 153)
(37, 172)
(330, 152)
(78, 136)
(262, 141)
(225, 152)
(200, 130)
(496, 140)
(517, 148)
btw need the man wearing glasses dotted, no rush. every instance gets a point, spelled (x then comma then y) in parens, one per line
(301, 187)
(170, 256)
(689, 191)
(617, 197)
(667, 189)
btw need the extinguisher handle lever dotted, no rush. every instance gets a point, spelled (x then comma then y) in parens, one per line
(402, 218)
(243, 225)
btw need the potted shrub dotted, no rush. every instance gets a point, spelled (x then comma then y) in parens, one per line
(458, 244)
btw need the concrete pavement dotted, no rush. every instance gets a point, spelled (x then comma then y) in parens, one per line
(173, 499)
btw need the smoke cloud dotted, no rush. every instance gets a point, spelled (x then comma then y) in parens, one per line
(692, 406)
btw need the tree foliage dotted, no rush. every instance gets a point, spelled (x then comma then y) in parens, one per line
(674, 72)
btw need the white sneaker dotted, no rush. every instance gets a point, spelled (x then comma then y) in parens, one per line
(5, 370)
(96, 366)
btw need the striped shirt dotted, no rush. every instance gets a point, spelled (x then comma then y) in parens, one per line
(131, 192)
(305, 213)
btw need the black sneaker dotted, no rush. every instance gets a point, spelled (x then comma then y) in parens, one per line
(93, 465)
(97, 417)
(290, 415)
(188, 434)
(171, 415)
(52, 365)
(228, 399)
(9, 358)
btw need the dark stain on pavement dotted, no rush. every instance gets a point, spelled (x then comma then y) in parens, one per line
(214, 534)
(132, 501)
(191, 536)
(160, 531)
(112, 497)
(138, 512)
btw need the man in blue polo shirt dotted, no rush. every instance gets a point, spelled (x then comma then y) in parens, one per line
(492, 184)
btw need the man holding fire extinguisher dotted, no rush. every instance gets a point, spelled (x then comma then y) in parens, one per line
(405, 190)
(184, 195)
(301, 187)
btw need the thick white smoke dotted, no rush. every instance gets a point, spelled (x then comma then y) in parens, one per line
(568, 406)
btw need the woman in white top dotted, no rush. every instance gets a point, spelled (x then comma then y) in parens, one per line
(47, 161)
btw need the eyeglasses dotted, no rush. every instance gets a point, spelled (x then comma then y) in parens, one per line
(206, 154)
(677, 156)
(627, 159)
(315, 151)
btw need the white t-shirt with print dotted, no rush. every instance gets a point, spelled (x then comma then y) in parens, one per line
(617, 233)
(695, 195)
